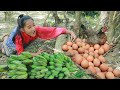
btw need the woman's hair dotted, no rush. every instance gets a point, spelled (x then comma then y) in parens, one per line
(21, 20)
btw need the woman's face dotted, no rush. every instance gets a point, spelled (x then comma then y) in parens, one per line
(29, 28)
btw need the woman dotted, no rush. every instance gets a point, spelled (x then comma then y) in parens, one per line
(27, 31)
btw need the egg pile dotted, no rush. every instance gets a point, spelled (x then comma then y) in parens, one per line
(90, 57)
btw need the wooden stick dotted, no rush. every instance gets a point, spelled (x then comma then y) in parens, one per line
(116, 39)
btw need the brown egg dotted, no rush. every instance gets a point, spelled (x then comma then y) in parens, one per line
(84, 40)
(101, 58)
(71, 52)
(106, 47)
(73, 58)
(78, 59)
(116, 72)
(81, 50)
(91, 64)
(87, 46)
(96, 46)
(96, 55)
(75, 46)
(110, 75)
(77, 55)
(79, 44)
(91, 49)
(100, 75)
(90, 58)
(75, 51)
(65, 47)
(69, 48)
(92, 70)
(101, 51)
(91, 53)
(83, 43)
(84, 64)
(110, 69)
(96, 62)
(78, 40)
(96, 51)
(83, 47)
(86, 51)
(101, 46)
(97, 69)
(69, 43)
(85, 55)
(104, 73)
(84, 58)
(103, 67)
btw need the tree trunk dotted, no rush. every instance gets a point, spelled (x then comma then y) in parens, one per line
(66, 19)
(57, 19)
(111, 19)
(111, 27)
(114, 25)
(62, 39)
(46, 24)
(102, 20)
(8, 15)
(77, 24)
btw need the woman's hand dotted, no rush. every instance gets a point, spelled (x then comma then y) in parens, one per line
(73, 36)
(40, 50)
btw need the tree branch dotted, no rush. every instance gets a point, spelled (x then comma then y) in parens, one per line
(114, 15)
(45, 23)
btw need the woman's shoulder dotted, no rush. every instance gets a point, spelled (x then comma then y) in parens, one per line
(13, 32)
(38, 26)
(14, 28)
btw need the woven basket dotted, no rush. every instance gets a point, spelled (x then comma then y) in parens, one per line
(39, 43)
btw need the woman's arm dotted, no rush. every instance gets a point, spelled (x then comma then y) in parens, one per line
(73, 36)
(19, 44)
(49, 32)
(53, 32)
(20, 49)
(34, 54)
(39, 52)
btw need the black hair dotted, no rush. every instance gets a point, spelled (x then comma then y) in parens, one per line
(21, 20)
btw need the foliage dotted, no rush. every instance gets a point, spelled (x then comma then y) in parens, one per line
(86, 13)
(90, 22)
(71, 12)
(114, 26)
(91, 13)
